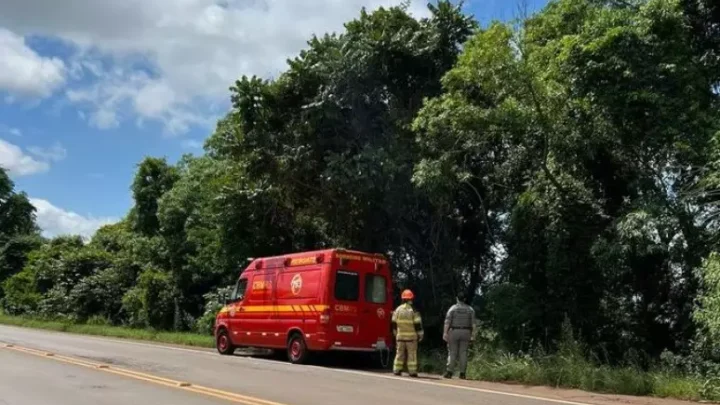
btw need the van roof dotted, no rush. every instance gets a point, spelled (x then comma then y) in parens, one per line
(320, 251)
(330, 251)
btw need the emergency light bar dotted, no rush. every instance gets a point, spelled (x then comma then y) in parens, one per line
(304, 261)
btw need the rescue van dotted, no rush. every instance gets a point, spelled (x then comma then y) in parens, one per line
(317, 301)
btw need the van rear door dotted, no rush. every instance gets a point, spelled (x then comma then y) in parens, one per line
(345, 309)
(362, 305)
(376, 310)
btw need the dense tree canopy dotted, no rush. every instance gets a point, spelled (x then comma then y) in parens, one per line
(18, 232)
(564, 169)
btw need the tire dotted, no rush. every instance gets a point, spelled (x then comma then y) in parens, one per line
(223, 344)
(297, 351)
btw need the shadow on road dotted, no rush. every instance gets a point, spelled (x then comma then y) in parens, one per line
(338, 360)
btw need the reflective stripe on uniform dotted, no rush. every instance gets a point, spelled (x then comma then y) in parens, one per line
(406, 356)
(417, 320)
(408, 323)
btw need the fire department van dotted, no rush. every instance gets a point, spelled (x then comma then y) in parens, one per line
(307, 302)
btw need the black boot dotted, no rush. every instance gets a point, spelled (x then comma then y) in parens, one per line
(462, 376)
(448, 374)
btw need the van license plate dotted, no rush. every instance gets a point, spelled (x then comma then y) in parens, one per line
(345, 328)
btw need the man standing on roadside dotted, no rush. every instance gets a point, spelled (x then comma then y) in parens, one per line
(459, 331)
(408, 331)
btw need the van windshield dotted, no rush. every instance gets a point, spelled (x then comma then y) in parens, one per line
(375, 291)
(347, 286)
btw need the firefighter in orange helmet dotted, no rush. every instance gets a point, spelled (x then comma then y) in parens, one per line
(408, 331)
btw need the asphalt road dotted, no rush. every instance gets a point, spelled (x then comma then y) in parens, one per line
(153, 374)
(26, 379)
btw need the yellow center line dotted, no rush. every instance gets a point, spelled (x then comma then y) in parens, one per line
(199, 389)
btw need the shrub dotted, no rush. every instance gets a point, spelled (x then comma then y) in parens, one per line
(213, 303)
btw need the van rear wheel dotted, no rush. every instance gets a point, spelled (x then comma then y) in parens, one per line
(297, 349)
(223, 343)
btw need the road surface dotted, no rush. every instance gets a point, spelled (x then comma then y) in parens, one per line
(39, 367)
(28, 379)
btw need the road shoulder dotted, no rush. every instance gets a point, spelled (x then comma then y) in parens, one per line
(571, 395)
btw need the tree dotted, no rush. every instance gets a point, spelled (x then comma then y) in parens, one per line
(327, 146)
(191, 226)
(14, 255)
(153, 178)
(150, 302)
(17, 215)
(18, 233)
(572, 139)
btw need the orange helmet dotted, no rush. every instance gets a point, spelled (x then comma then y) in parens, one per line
(407, 295)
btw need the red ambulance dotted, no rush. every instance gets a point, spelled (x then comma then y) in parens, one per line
(307, 302)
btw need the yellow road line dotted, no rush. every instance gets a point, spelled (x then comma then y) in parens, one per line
(199, 389)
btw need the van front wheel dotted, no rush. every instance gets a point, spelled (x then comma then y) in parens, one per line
(223, 344)
(297, 349)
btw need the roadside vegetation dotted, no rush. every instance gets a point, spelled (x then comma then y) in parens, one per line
(571, 366)
(563, 168)
(100, 328)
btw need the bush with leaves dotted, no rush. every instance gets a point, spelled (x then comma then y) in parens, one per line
(150, 303)
(214, 301)
(21, 294)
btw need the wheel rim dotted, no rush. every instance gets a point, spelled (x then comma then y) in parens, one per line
(295, 349)
(223, 342)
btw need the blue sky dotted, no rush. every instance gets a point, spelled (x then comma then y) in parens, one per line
(87, 90)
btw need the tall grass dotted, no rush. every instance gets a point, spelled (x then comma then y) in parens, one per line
(572, 370)
(572, 367)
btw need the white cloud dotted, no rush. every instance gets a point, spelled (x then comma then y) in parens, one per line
(25, 73)
(153, 99)
(104, 118)
(173, 60)
(56, 153)
(56, 221)
(17, 163)
(36, 160)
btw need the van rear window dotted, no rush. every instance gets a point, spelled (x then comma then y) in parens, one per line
(347, 286)
(375, 289)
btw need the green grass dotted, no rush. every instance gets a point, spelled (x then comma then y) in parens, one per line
(571, 370)
(582, 375)
(180, 338)
(563, 370)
